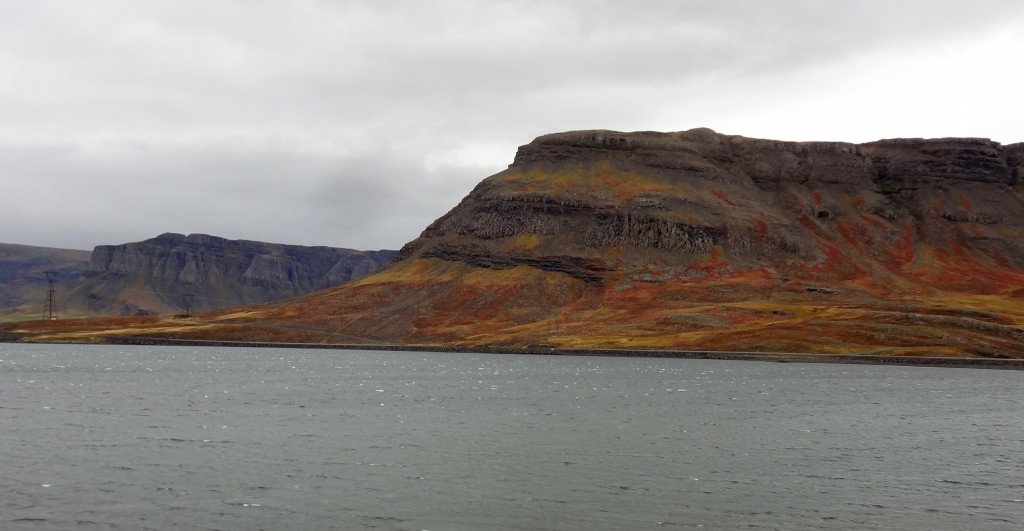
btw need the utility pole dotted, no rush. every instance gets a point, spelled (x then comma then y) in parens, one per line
(50, 313)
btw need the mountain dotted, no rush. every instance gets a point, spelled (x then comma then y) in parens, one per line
(23, 283)
(174, 273)
(698, 240)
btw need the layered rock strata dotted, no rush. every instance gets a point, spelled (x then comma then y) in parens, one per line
(670, 198)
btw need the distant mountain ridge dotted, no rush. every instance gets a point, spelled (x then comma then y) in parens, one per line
(173, 273)
(23, 275)
(168, 273)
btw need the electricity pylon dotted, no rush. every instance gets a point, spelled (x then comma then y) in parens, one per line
(50, 312)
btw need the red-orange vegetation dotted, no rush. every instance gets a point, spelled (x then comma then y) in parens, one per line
(836, 265)
(712, 264)
(873, 220)
(816, 196)
(723, 196)
(964, 202)
(901, 254)
(761, 228)
(852, 233)
(957, 269)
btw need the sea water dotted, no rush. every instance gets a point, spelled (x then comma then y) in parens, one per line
(99, 437)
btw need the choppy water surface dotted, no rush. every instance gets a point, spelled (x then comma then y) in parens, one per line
(209, 438)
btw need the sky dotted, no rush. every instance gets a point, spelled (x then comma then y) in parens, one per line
(357, 123)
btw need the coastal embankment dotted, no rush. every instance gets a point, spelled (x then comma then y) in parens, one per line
(778, 357)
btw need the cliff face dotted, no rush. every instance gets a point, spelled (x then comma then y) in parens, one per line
(599, 205)
(171, 271)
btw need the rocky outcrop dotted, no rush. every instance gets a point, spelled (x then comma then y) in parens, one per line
(590, 271)
(677, 197)
(928, 161)
(173, 272)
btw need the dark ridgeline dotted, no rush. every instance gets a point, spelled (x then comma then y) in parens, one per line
(174, 273)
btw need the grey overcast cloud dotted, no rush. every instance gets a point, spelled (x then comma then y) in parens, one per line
(355, 124)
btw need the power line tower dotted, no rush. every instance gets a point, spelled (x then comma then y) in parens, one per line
(186, 300)
(50, 312)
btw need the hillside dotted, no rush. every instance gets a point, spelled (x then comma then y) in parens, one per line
(23, 276)
(694, 240)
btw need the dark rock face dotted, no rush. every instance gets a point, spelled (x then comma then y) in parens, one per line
(920, 161)
(607, 199)
(589, 271)
(162, 274)
(625, 228)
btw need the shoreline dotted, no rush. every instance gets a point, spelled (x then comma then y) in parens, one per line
(777, 357)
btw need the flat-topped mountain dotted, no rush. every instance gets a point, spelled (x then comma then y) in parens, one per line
(173, 273)
(701, 240)
(603, 206)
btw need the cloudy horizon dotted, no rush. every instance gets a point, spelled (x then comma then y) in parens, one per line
(356, 124)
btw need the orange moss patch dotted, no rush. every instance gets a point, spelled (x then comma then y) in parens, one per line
(600, 178)
(964, 202)
(416, 271)
(852, 233)
(721, 195)
(875, 221)
(245, 314)
(761, 228)
(524, 242)
(711, 264)
(515, 276)
(901, 254)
